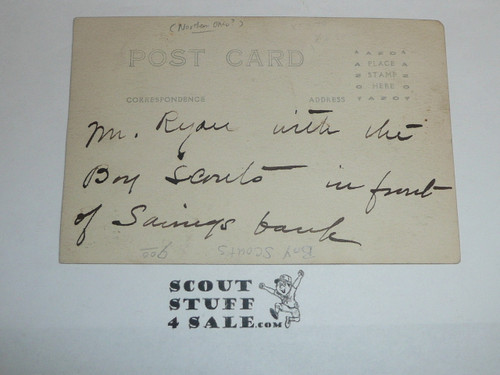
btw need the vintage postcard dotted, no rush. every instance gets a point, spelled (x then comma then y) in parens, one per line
(216, 140)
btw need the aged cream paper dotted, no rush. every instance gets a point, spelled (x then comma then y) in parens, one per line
(258, 141)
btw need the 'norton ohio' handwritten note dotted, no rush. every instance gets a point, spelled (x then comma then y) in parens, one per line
(258, 141)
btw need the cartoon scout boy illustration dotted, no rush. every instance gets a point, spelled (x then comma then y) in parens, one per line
(285, 291)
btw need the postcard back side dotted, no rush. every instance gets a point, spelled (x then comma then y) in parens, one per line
(258, 141)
